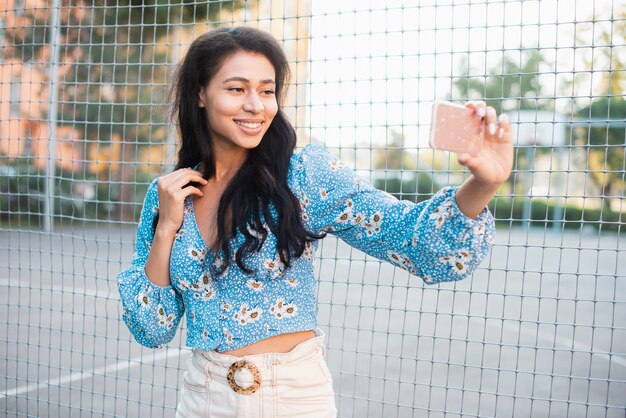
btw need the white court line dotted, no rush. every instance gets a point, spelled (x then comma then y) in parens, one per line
(173, 352)
(563, 343)
(573, 345)
(99, 371)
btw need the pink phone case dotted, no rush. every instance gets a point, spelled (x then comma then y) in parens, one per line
(454, 129)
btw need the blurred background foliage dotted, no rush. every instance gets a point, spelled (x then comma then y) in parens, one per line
(116, 57)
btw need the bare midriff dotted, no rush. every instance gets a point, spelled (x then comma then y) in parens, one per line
(282, 343)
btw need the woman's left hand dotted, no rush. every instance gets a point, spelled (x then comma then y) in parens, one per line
(493, 165)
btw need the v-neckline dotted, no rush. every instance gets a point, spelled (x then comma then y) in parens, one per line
(194, 221)
(197, 227)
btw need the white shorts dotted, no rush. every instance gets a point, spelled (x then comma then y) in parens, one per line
(293, 384)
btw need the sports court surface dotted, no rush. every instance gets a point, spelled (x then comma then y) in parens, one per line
(540, 330)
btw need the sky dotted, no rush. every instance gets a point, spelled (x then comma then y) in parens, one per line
(378, 65)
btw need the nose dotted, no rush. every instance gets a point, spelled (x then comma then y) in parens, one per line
(253, 103)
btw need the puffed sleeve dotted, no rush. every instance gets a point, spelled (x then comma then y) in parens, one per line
(432, 239)
(152, 313)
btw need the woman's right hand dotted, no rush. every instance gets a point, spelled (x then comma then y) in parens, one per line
(172, 194)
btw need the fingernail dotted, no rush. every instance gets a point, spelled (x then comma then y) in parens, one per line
(481, 112)
(492, 128)
(500, 133)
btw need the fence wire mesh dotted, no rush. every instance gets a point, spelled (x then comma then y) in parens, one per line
(539, 330)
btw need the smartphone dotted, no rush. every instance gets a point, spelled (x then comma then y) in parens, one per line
(455, 128)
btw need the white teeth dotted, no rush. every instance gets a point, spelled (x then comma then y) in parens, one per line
(251, 125)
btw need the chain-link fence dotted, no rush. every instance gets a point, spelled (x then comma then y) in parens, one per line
(540, 328)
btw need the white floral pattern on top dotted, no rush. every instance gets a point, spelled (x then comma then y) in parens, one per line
(283, 310)
(228, 336)
(309, 252)
(228, 308)
(255, 285)
(373, 224)
(165, 320)
(205, 282)
(347, 215)
(442, 213)
(458, 261)
(402, 260)
(218, 263)
(274, 268)
(198, 255)
(143, 299)
(304, 202)
(246, 315)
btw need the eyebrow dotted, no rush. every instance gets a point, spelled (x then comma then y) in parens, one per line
(245, 80)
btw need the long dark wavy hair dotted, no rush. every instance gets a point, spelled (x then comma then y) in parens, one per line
(260, 185)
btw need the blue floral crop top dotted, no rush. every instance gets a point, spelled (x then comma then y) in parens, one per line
(230, 309)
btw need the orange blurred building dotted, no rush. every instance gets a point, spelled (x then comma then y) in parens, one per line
(25, 92)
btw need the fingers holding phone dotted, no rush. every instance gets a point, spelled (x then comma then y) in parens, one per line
(504, 127)
(494, 163)
(494, 126)
(481, 140)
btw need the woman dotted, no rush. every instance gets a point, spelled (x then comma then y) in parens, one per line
(229, 236)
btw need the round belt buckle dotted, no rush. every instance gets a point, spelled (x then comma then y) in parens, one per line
(256, 376)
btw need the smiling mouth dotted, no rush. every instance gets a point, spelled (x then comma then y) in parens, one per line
(251, 125)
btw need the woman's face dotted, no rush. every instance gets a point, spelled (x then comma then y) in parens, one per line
(240, 102)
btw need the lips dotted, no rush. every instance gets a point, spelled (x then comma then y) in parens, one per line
(249, 124)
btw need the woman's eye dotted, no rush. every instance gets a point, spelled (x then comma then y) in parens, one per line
(269, 92)
(236, 89)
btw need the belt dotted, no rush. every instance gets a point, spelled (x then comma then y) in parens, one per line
(256, 376)
(309, 349)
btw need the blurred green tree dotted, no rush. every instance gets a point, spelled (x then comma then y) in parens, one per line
(605, 140)
(510, 85)
(602, 44)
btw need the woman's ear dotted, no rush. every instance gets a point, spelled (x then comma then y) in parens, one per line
(201, 98)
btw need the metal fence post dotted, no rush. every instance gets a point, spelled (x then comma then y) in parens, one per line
(55, 36)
